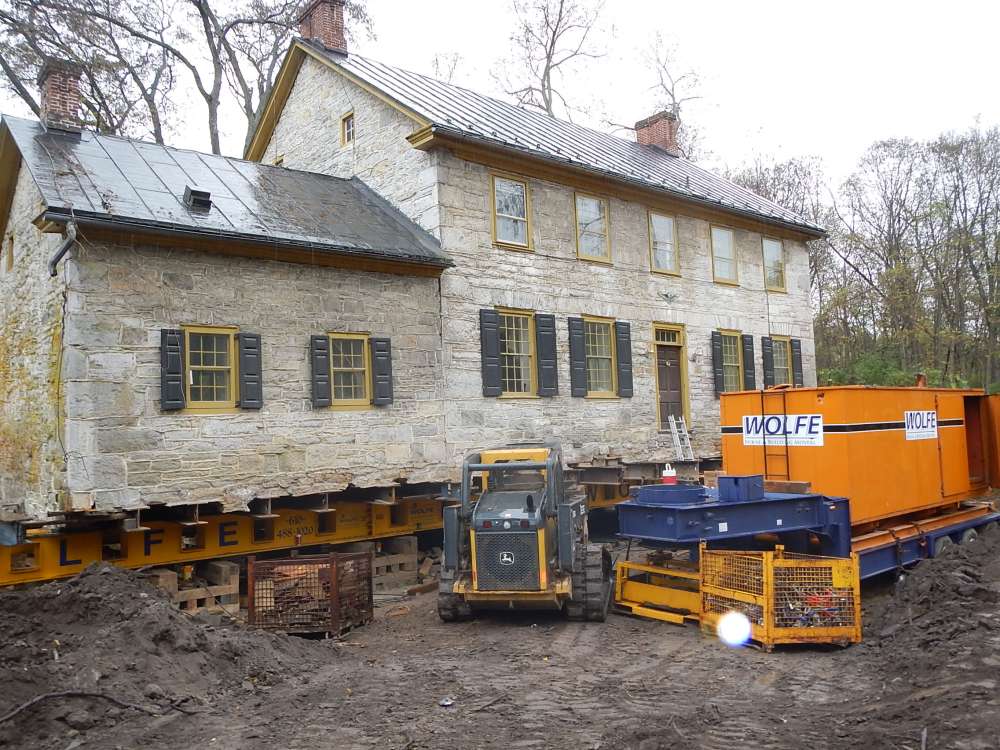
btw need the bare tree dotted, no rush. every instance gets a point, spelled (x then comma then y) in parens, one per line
(551, 35)
(131, 53)
(675, 87)
(444, 65)
(126, 83)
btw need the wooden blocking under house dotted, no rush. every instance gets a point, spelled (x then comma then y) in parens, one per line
(221, 594)
(395, 562)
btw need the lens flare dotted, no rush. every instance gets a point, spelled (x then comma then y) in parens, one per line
(733, 629)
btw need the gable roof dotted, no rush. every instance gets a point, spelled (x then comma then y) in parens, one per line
(119, 183)
(467, 115)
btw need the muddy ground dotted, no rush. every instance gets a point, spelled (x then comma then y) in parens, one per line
(926, 677)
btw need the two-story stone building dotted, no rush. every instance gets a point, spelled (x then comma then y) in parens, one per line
(600, 285)
(401, 271)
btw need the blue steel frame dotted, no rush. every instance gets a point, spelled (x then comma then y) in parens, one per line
(792, 518)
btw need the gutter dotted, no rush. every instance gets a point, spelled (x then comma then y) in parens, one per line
(63, 248)
(57, 216)
(424, 137)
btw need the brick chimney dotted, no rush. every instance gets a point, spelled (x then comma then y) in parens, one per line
(659, 130)
(323, 22)
(59, 87)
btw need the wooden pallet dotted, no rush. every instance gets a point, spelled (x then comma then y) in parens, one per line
(395, 565)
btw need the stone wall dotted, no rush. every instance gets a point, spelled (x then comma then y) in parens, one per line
(123, 450)
(307, 137)
(450, 197)
(31, 305)
(552, 279)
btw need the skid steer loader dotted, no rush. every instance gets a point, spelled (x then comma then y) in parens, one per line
(517, 542)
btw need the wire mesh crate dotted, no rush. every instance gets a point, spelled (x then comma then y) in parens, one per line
(788, 598)
(311, 594)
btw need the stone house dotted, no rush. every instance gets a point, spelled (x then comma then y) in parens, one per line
(180, 328)
(600, 285)
(400, 271)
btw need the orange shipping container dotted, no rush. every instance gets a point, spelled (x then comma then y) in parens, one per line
(894, 452)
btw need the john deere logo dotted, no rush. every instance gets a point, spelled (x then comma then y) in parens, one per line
(506, 558)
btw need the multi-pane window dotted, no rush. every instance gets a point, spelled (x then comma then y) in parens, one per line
(782, 354)
(592, 228)
(347, 128)
(210, 367)
(774, 265)
(599, 347)
(724, 255)
(350, 369)
(510, 211)
(663, 244)
(732, 361)
(516, 354)
(668, 335)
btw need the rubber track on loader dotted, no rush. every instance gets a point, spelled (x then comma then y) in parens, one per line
(591, 585)
(452, 608)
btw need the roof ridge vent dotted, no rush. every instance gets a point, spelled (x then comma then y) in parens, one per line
(196, 197)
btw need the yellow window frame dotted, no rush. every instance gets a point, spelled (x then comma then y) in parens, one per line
(532, 353)
(680, 343)
(10, 253)
(344, 119)
(210, 406)
(652, 244)
(784, 265)
(352, 404)
(738, 335)
(527, 246)
(610, 322)
(786, 343)
(606, 258)
(735, 281)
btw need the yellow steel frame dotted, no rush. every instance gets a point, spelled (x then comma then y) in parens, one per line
(58, 555)
(659, 593)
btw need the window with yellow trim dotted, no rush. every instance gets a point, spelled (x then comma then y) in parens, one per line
(350, 369)
(592, 228)
(347, 129)
(663, 255)
(599, 347)
(724, 265)
(774, 265)
(732, 360)
(517, 354)
(10, 253)
(782, 357)
(510, 212)
(210, 367)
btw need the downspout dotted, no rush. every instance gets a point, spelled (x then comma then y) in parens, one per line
(63, 248)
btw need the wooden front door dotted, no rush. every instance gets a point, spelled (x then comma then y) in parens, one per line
(669, 383)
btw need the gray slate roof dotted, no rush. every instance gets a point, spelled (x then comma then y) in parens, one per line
(464, 113)
(128, 184)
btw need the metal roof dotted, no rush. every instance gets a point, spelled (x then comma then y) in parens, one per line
(134, 185)
(464, 113)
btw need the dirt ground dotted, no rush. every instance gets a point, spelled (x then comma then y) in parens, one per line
(925, 678)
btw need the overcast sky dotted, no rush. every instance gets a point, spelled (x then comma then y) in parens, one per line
(778, 78)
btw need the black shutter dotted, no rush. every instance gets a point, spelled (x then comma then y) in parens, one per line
(171, 369)
(767, 356)
(577, 358)
(381, 371)
(489, 351)
(251, 390)
(749, 376)
(623, 351)
(797, 379)
(545, 350)
(717, 369)
(319, 356)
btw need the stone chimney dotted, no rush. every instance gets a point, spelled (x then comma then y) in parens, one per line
(659, 130)
(59, 87)
(323, 22)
